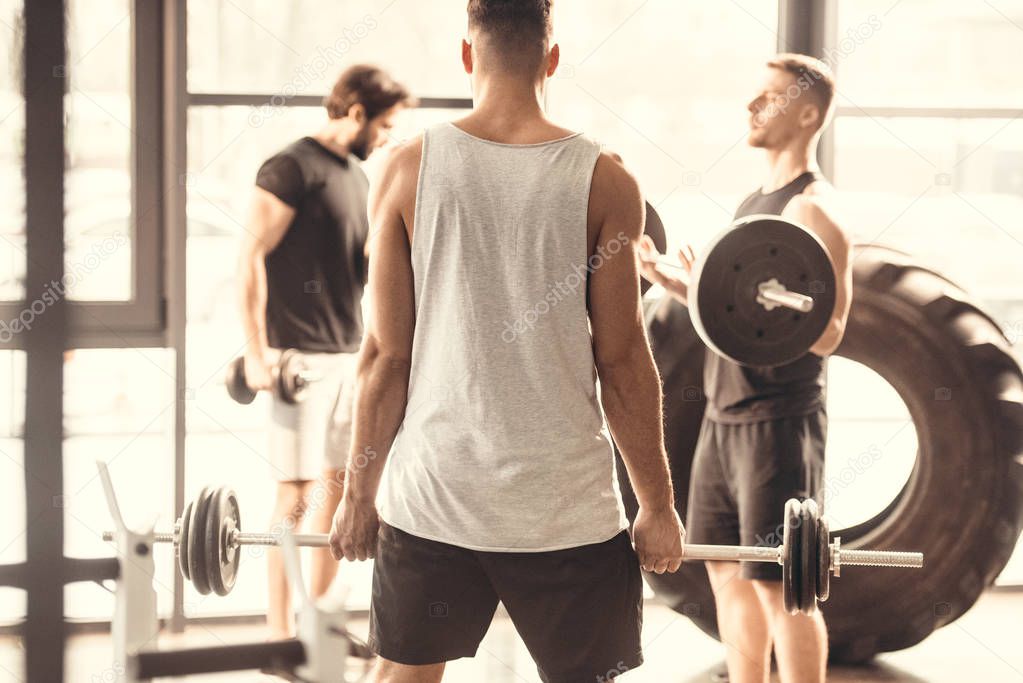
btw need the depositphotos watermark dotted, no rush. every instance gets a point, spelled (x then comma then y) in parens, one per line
(312, 71)
(562, 289)
(58, 289)
(613, 673)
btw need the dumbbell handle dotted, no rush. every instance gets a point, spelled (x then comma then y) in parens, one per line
(309, 376)
(770, 291)
(729, 553)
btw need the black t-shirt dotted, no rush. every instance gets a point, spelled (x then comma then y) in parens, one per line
(316, 275)
(740, 394)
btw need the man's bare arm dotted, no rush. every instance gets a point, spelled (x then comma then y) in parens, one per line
(268, 222)
(385, 357)
(812, 211)
(630, 387)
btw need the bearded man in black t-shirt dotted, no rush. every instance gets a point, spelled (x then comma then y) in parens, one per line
(301, 277)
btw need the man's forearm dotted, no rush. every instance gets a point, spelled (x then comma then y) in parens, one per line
(252, 301)
(381, 397)
(630, 392)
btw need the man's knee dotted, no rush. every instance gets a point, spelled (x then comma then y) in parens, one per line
(724, 577)
(326, 493)
(291, 501)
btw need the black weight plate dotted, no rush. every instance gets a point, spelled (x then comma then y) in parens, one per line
(808, 557)
(287, 385)
(823, 560)
(183, 541)
(725, 283)
(197, 542)
(790, 551)
(221, 562)
(234, 380)
(214, 541)
(232, 557)
(655, 230)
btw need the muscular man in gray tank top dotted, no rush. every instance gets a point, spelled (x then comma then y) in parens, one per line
(505, 345)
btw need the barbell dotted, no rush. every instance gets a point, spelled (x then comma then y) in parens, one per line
(290, 375)
(763, 293)
(208, 538)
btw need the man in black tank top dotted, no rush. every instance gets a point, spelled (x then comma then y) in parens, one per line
(764, 430)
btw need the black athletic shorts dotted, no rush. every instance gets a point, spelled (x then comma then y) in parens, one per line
(743, 474)
(579, 611)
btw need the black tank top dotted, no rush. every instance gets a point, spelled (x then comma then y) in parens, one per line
(740, 394)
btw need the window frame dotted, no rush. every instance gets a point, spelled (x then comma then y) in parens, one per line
(140, 321)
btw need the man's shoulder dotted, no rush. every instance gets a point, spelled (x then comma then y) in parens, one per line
(400, 167)
(610, 175)
(298, 150)
(816, 208)
(615, 193)
(404, 159)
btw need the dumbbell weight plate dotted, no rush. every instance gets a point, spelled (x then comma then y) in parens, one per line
(221, 560)
(232, 556)
(234, 380)
(288, 384)
(197, 542)
(183, 542)
(790, 552)
(823, 560)
(808, 548)
(725, 282)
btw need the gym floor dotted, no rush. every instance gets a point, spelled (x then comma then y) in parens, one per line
(983, 645)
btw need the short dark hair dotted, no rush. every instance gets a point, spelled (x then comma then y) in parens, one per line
(368, 85)
(812, 75)
(518, 29)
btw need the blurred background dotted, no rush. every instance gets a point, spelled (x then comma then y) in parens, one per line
(926, 148)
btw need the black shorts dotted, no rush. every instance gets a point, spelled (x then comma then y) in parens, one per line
(579, 611)
(743, 474)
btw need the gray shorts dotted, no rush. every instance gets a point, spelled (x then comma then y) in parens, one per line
(314, 436)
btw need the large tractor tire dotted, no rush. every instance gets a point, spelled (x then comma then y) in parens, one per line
(963, 504)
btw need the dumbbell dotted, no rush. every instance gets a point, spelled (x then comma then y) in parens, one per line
(290, 379)
(208, 538)
(763, 293)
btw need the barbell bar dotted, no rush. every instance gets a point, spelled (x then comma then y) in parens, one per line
(693, 551)
(770, 293)
(208, 538)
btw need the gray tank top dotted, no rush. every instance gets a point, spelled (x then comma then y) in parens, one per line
(503, 446)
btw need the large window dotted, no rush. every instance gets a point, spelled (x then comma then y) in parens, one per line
(301, 49)
(12, 143)
(98, 229)
(665, 85)
(119, 408)
(12, 288)
(12, 476)
(113, 274)
(928, 153)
